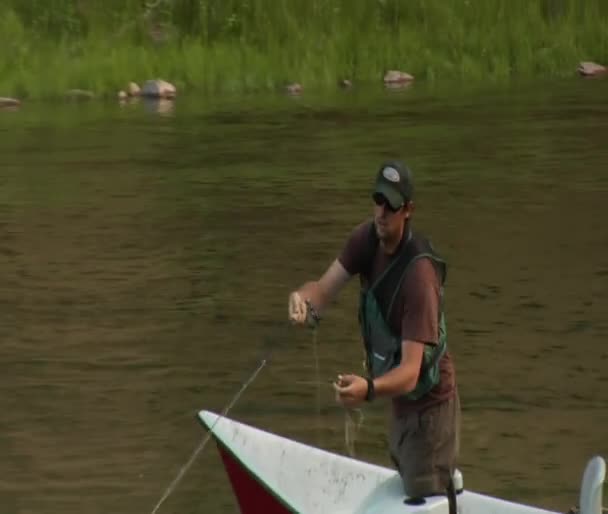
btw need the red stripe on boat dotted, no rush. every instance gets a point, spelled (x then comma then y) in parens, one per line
(253, 498)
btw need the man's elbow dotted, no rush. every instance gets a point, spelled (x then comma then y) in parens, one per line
(410, 381)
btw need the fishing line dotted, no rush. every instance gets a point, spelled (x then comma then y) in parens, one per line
(318, 381)
(264, 361)
(351, 426)
(205, 440)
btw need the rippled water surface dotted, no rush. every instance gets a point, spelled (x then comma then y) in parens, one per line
(147, 259)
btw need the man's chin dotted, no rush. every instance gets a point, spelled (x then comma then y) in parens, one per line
(381, 232)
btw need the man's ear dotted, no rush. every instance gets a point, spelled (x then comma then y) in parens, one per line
(409, 209)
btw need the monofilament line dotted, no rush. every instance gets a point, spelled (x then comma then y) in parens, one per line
(318, 381)
(186, 466)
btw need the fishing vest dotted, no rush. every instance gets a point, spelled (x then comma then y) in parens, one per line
(382, 346)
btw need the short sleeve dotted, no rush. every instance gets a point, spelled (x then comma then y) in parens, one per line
(421, 296)
(355, 255)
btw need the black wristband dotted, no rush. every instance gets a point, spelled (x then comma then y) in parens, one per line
(371, 392)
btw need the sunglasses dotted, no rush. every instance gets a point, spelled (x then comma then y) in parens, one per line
(380, 200)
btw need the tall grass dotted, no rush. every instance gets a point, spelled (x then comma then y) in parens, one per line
(50, 46)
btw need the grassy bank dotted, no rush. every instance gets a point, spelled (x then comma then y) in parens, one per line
(50, 46)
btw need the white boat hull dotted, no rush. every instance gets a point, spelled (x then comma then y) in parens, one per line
(271, 474)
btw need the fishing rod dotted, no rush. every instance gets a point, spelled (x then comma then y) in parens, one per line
(313, 321)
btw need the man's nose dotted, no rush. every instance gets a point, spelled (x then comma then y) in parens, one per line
(384, 210)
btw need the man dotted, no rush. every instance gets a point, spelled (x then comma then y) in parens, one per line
(403, 329)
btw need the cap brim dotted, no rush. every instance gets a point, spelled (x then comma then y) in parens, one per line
(394, 197)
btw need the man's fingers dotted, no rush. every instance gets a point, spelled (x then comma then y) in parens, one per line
(301, 309)
(344, 399)
(344, 391)
(346, 380)
(297, 308)
(293, 303)
(338, 388)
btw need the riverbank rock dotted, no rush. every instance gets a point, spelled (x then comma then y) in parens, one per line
(9, 103)
(133, 89)
(591, 69)
(397, 77)
(158, 89)
(294, 88)
(79, 95)
(122, 95)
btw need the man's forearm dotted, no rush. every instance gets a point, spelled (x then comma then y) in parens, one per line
(312, 291)
(321, 292)
(403, 378)
(398, 381)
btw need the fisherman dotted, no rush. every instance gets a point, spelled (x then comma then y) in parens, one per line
(403, 326)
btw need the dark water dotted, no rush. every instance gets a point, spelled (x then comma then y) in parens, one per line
(147, 259)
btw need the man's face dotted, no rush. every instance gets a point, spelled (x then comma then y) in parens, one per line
(389, 222)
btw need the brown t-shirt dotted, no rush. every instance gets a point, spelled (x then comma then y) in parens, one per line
(414, 315)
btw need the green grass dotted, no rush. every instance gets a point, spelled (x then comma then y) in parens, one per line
(249, 45)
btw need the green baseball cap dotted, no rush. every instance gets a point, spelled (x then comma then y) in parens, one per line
(395, 182)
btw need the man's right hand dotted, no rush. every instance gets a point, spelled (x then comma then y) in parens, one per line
(297, 309)
(307, 302)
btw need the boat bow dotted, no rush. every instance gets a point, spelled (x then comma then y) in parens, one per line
(271, 474)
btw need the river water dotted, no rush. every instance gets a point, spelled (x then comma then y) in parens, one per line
(147, 258)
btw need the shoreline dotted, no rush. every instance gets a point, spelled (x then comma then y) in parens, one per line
(220, 46)
(315, 97)
(123, 94)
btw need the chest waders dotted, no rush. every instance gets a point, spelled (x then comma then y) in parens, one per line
(382, 346)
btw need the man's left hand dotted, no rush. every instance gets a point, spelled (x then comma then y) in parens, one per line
(351, 390)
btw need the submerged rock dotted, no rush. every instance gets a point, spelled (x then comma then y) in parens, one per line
(9, 103)
(591, 69)
(79, 94)
(158, 89)
(397, 77)
(345, 83)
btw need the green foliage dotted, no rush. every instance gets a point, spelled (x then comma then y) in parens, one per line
(241, 45)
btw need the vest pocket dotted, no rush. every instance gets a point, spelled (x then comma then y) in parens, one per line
(382, 347)
(385, 352)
